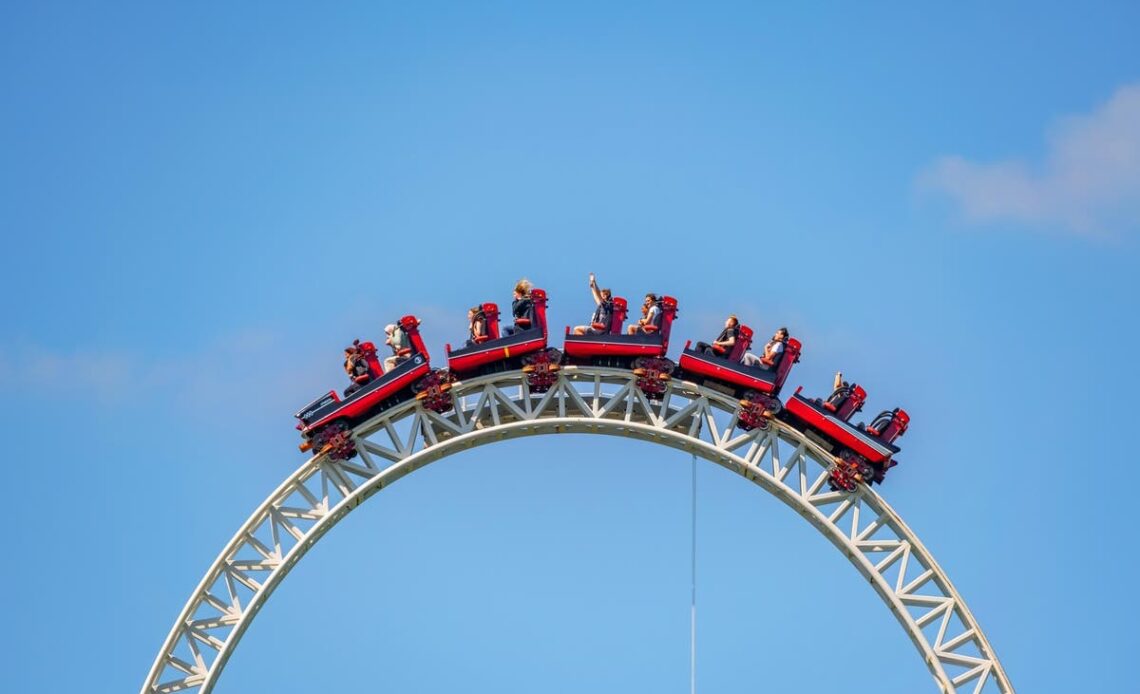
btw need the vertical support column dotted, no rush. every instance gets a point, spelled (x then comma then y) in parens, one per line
(693, 603)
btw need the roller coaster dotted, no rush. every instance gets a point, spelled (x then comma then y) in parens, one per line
(805, 452)
(862, 452)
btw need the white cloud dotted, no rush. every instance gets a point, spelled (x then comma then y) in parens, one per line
(227, 369)
(104, 376)
(1089, 181)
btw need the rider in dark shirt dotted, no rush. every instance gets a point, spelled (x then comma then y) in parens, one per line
(840, 390)
(723, 344)
(522, 309)
(356, 366)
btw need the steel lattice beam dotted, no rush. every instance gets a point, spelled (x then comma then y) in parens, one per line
(585, 400)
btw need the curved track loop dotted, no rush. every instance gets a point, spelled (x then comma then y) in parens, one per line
(585, 400)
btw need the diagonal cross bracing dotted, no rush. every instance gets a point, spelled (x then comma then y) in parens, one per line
(584, 400)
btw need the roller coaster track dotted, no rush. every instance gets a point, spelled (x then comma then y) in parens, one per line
(592, 400)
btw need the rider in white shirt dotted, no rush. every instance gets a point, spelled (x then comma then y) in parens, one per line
(772, 351)
(652, 316)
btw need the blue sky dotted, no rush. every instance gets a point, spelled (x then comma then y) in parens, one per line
(202, 205)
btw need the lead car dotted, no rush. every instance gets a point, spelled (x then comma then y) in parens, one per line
(326, 423)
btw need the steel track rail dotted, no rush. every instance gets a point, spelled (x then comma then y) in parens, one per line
(596, 400)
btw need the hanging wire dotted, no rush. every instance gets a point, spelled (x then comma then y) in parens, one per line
(693, 603)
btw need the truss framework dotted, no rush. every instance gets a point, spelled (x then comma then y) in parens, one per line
(584, 400)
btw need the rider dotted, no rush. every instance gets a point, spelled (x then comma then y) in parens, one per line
(724, 342)
(356, 366)
(840, 390)
(522, 308)
(652, 316)
(603, 312)
(397, 339)
(772, 351)
(476, 325)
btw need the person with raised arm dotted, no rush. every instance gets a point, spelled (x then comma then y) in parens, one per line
(603, 311)
(840, 390)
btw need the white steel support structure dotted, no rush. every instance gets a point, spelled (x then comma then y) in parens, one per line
(594, 400)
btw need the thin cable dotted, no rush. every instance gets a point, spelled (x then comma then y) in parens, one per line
(693, 604)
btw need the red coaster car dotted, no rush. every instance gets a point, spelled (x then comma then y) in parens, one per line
(644, 352)
(497, 352)
(863, 451)
(327, 422)
(756, 386)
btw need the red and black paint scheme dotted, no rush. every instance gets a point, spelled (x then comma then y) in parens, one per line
(589, 345)
(326, 423)
(618, 348)
(863, 451)
(497, 352)
(643, 352)
(756, 386)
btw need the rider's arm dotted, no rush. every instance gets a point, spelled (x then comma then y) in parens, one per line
(594, 290)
